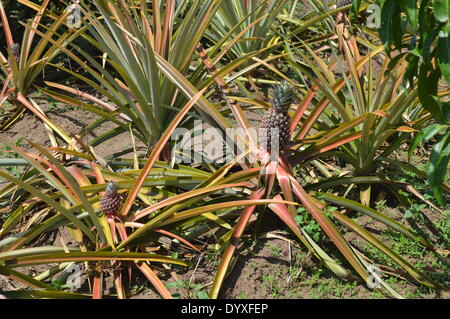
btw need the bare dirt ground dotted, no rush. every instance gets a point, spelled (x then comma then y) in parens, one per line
(72, 121)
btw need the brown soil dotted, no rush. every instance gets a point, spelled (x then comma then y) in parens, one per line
(70, 120)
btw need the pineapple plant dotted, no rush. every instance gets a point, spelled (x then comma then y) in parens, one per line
(111, 201)
(274, 129)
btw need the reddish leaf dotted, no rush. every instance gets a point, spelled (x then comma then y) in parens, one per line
(232, 244)
(157, 151)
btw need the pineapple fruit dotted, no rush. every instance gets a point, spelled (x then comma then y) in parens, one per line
(274, 130)
(343, 3)
(111, 201)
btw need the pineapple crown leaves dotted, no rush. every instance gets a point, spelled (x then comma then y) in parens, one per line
(111, 187)
(282, 96)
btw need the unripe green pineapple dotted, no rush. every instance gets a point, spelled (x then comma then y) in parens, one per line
(111, 200)
(276, 120)
(343, 3)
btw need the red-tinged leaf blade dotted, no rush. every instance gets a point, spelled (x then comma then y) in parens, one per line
(157, 151)
(22, 99)
(374, 214)
(162, 219)
(43, 294)
(118, 283)
(315, 150)
(101, 224)
(88, 256)
(232, 244)
(269, 173)
(330, 229)
(165, 232)
(215, 207)
(419, 276)
(97, 287)
(5, 26)
(154, 280)
(24, 279)
(181, 197)
(285, 184)
(70, 216)
(281, 211)
(301, 109)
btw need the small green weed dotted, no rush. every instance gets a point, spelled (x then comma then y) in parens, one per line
(305, 221)
(193, 290)
(276, 251)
